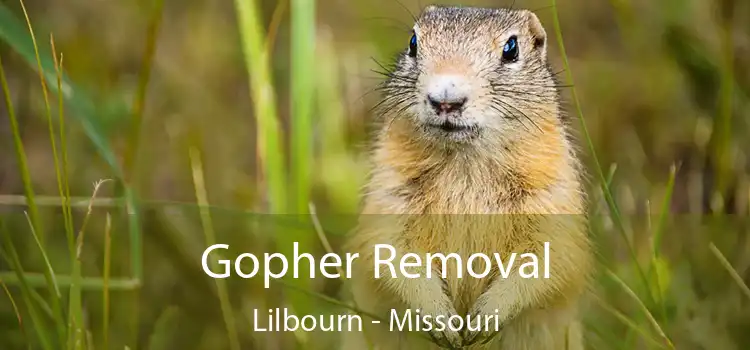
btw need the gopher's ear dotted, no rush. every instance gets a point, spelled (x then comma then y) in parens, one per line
(537, 32)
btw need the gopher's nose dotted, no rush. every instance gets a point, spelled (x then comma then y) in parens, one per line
(446, 106)
(447, 93)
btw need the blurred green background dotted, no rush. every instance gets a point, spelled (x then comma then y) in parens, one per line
(175, 102)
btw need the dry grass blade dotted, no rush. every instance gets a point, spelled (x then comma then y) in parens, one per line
(210, 237)
(17, 312)
(105, 278)
(642, 306)
(732, 272)
(76, 329)
(322, 237)
(35, 218)
(273, 27)
(327, 246)
(628, 322)
(90, 209)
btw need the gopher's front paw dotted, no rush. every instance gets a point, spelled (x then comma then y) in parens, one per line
(443, 336)
(447, 338)
(483, 323)
(442, 307)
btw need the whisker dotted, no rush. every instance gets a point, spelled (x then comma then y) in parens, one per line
(519, 111)
(393, 101)
(395, 76)
(413, 17)
(521, 95)
(404, 26)
(535, 85)
(399, 114)
(505, 113)
(387, 69)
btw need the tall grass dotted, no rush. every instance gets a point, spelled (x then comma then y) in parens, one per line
(210, 236)
(70, 96)
(283, 199)
(72, 333)
(268, 131)
(9, 251)
(304, 67)
(313, 153)
(609, 196)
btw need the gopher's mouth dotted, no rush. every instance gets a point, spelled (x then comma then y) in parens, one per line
(451, 127)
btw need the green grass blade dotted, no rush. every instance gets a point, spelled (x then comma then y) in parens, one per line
(132, 208)
(163, 329)
(658, 232)
(23, 168)
(632, 325)
(579, 111)
(303, 38)
(43, 304)
(302, 92)
(32, 207)
(605, 337)
(130, 183)
(664, 212)
(15, 34)
(642, 306)
(271, 153)
(54, 290)
(721, 138)
(11, 256)
(616, 216)
(34, 223)
(63, 172)
(35, 219)
(264, 99)
(610, 178)
(76, 329)
(140, 97)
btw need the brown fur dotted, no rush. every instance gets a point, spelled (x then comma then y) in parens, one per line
(508, 188)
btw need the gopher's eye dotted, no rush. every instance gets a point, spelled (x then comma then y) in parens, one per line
(413, 46)
(510, 50)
